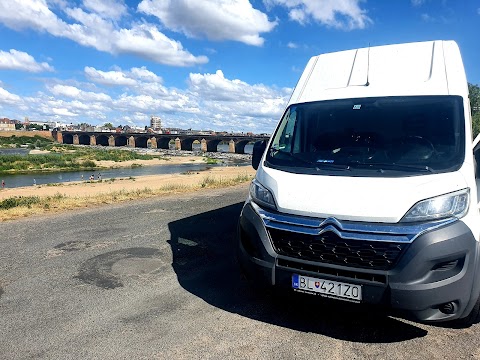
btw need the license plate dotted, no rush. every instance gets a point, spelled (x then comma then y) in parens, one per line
(327, 288)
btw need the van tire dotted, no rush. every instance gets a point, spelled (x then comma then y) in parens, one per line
(472, 318)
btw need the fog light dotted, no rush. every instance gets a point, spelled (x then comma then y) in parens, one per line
(448, 308)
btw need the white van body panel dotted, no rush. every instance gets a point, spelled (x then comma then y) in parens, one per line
(366, 199)
(391, 70)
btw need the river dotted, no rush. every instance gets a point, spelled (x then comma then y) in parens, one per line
(19, 180)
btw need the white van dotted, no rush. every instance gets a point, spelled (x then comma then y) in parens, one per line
(367, 190)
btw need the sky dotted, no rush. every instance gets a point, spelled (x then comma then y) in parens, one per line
(222, 65)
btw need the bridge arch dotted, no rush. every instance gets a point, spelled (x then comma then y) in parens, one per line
(141, 142)
(67, 138)
(186, 144)
(121, 141)
(240, 146)
(163, 142)
(102, 140)
(213, 144)
(84, 139)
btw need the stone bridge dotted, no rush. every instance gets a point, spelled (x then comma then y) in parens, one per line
(156, 141)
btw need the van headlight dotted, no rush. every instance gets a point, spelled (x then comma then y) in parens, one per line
(449, 205)
(261, 195)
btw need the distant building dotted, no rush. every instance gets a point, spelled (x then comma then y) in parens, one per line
(156, 123)
(44, 124)
(7, 125)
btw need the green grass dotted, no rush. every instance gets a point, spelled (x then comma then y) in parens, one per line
(210, 161)
(17, 141)
(210, 181)
(66, 158)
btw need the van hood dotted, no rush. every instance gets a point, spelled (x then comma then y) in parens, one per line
(369, 199)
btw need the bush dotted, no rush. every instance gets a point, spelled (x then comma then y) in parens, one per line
(89, 164)
(210, 161)
(17, 201)
(476, 124)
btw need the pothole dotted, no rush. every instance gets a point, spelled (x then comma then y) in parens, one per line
(136, 266)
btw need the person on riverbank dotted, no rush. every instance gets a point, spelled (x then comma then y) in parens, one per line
(3, 184)
(34, 182)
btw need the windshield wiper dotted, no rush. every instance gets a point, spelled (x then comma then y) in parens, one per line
(274, 152)
(331, 166)
(391, 166)
(319, 165)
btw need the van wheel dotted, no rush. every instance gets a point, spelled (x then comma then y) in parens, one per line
(472, 318)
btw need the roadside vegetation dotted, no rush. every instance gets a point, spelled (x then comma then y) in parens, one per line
(474, 95)
(24, 206)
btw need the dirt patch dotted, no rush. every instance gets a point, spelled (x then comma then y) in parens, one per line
(174, 160)
(105, 270)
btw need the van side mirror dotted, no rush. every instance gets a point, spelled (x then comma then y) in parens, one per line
(258, 150)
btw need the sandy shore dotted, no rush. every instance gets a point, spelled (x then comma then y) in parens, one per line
(173, 160)
(87, 189)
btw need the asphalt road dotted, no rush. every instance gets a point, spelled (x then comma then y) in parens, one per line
(156, 279)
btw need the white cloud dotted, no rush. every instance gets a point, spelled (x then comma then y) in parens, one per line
(8, 98)
(214, 19)
(417, 3)
(217, 87)
(148, 104)
(92, 30)
(236, 104)
(22, 14)
(76, 93)
(108, 77)
(145, 75)
(340, 14)
(211, 101)
(19, 60)
(292, 45)
(110, 9)
(63, 112)
(146, 41)
(141, 80)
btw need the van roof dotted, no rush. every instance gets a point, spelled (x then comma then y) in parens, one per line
(421, 68)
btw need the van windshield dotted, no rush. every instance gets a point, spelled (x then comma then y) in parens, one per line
(383, 136)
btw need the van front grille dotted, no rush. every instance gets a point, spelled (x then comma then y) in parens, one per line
(331, 249)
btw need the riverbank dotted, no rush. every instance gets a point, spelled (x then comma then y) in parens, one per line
(50, 198)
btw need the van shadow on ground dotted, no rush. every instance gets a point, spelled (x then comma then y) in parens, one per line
(203, 259)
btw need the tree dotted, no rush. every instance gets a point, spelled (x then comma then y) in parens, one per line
(36, 127)
(108, 125)
(474, 95)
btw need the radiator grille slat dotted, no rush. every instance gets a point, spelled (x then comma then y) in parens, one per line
(332, 249)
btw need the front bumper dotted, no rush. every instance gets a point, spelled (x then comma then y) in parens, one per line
(439, 267)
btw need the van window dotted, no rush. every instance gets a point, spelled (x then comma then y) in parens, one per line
(388, 136)
(286, 131)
